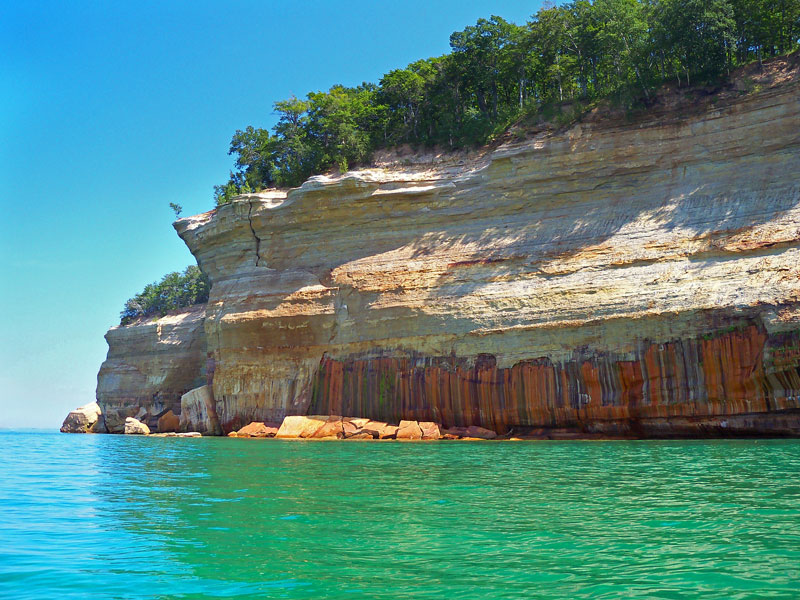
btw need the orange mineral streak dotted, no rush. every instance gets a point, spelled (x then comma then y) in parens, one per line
(717, 377)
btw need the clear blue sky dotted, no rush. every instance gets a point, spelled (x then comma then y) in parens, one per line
(109, 111)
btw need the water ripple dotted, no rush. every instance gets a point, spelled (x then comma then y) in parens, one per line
(127, 517)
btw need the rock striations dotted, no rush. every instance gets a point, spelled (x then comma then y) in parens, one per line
(624, 278)
(150, 365)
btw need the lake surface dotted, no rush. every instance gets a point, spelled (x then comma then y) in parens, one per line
(127, 517)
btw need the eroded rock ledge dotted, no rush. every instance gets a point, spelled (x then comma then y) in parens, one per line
(624, 279)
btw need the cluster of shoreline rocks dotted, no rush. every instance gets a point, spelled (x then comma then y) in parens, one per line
(86, 419)
(325, 427)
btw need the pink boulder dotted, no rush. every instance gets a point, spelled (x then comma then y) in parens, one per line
(409, 430)
(257, 430)
(333, 427)
(301, 426)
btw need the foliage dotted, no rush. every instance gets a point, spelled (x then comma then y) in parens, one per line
(176, 208)
(175, 290)
(498, 72)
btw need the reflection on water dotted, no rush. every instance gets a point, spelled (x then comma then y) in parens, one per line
(127, 517)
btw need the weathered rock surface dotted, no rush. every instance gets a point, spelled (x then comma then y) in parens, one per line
(150, 365)
(409, 430)
(301, 427)
(381, 430)
(199, 411)
(430, 430)
(85, 419)
(135, 427)
(257, 430)
(169, 422)
(473, 431)
(616, 278)
(332, 428)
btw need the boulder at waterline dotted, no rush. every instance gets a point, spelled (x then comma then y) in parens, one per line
(300, 426)
(258, 430)
(84, 419)
(332, 428)
(430, 430)
(409, 430)
(135, 427)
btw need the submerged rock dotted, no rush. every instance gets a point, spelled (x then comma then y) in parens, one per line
(135, 427)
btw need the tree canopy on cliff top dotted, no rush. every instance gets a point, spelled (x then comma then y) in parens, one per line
(175, 290)
(498, 72)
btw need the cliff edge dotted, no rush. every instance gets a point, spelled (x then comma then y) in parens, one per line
(628, 278)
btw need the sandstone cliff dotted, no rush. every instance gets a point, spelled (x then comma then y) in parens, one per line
(150, 365)
(616, 277)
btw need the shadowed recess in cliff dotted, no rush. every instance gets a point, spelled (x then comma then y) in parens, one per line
(703, 379)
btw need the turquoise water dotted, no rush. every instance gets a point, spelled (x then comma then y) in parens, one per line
(127, 517)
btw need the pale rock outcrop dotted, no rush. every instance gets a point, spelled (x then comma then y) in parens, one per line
(198, 411)
(135, 427)
(85, 419)
(150, 365)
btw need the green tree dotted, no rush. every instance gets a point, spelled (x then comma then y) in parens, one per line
(697, 34)
(341, 121)
(175, 290)
(498, 72)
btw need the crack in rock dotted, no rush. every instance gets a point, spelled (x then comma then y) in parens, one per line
(253, 231)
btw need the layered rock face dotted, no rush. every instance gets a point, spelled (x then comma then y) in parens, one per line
(625, 278)
(150, 365)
